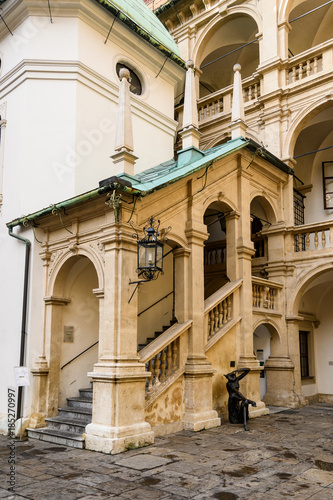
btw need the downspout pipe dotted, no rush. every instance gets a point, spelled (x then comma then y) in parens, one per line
(19, 411)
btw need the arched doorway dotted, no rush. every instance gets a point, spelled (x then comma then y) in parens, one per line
(313, 189)
(75, 327)
(262, 351)
(262, 216)
(316, 338)
(215, 249)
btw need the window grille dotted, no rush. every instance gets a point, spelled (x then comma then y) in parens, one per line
(304, 353)
(299, 217)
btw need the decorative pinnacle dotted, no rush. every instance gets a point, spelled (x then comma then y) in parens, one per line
(237, 67)
(189, 64)
(124, 73)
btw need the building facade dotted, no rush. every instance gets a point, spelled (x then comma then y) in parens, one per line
(243, 204)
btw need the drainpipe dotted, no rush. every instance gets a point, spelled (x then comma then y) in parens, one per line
(27, 242)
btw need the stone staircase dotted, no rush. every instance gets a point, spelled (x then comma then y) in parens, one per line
(69, 426)
(157, 334)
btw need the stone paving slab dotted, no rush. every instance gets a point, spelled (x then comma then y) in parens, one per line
(288, 454)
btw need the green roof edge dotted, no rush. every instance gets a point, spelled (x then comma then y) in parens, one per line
(130, 23)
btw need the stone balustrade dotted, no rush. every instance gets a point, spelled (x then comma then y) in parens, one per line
(219, 309)
(265, 294)
(299, 70)
(162, 356)
(313, 237)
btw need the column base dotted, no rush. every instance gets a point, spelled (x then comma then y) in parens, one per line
(113, 440)
(201, 420)
(258, 411)
(37, 420)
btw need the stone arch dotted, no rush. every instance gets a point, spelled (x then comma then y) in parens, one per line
(302, 118)
(274, 330)
(284, 10)
(220, 199)
(213, 25)
(302, 284)
(267, 203)
(220, 38)
(63, 263)
(72, 309)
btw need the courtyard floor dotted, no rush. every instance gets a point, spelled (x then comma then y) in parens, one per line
(284, 455)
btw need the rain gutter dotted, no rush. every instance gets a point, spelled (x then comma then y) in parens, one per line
(19, 412)
(71, 202)
(166, 6)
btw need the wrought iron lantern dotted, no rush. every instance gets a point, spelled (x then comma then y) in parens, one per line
(150, 252)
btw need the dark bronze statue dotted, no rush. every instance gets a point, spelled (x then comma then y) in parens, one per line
(238, 405)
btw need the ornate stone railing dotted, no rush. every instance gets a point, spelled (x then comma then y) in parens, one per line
(311, 237)
(215, 253)
(220, 101)
(162, 356)
(265, 294)
(298, 70)
(219, 309)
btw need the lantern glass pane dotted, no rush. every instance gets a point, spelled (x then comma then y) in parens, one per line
(159, 256)
(141, 256)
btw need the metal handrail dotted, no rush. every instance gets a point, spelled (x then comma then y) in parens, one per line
(79, 355)
(165, 296)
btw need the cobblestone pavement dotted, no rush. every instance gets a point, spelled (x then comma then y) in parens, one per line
(285, 455)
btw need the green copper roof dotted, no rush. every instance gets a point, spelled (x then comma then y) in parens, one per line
(189, 160)
(137, 12)
(192, 159)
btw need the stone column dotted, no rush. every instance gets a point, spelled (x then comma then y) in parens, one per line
(40, 370)
(199, 413)
(250, 385)
(293, 347)
(231, 231)
(181, 256)
(118, 421)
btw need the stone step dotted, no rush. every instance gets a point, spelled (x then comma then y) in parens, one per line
(57, 436)
(79, 403)
(82, 414)
(86, 393)
(66, 424)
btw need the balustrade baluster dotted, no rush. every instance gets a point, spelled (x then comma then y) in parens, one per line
(157, 370)
(163, 365)
(220, 315)
(250, 93)
(293, 78)
(323, 239)
(316, 240)
(308, 67)
(150, 378)
(300, 71)
(169, 360)
(229, 308)
(256, 91)
(258, 296)
(307, 241)
(212, 322)
(216, 319)
(174, 355)
(224, 304)
(315, 65)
